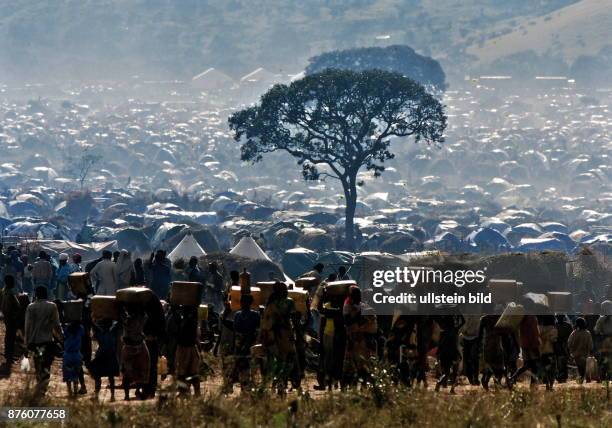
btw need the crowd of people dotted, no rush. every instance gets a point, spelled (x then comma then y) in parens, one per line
(338, 336)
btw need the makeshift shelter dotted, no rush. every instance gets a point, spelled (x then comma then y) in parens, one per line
(298, 260)
(487, 239)
(248, 248)
(54, 248)
(187, 248)
(540, 244)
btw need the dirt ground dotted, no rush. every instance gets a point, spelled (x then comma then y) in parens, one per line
(212, 385)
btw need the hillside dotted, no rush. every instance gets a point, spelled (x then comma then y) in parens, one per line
(104, 38)
(583, 28)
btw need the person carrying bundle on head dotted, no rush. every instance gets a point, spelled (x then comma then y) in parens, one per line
(105, 362)
(135, 360)
(187, 357)
(246, 327)
(332, 336)
(154, 331)
(278, 338)
(358, 352)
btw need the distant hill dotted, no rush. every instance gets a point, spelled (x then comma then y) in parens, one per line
(583, 28)
(179, 38)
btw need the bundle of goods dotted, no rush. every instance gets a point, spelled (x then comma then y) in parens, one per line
(536, 303)
(503, 290)
(300, 297)
(235, 293)
(135, 295)
(73, 310)
(104, 307)
(511, 318)
(266, 288)
(185, 293)
(560, 301)
(79, 283)
(307, 282)
(339, 288)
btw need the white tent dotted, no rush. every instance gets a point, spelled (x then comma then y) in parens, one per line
(187, 248)
(248, 248)
(212, 79)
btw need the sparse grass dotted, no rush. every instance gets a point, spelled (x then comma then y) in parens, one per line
(380, 405)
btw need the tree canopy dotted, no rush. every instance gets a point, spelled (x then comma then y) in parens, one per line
(342, 120)
(397, 58)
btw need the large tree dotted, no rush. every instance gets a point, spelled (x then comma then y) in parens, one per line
(397, 58)
(342, 120)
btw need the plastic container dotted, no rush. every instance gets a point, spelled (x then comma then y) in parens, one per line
(79, 283)
(185, 293)
(104, 307)
(73, 310)
(136, 295)
(236, 292)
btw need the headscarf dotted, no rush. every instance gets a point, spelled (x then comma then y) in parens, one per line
(124, 269)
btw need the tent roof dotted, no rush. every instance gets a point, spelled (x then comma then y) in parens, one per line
(211, 73)
(248, 248)
(89, 251)
(187, 248)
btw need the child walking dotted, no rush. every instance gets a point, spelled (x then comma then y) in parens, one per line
(73, 360)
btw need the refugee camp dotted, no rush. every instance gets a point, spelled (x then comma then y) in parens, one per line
(282, 213)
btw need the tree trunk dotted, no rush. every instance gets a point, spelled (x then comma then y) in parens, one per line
(350, 194)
